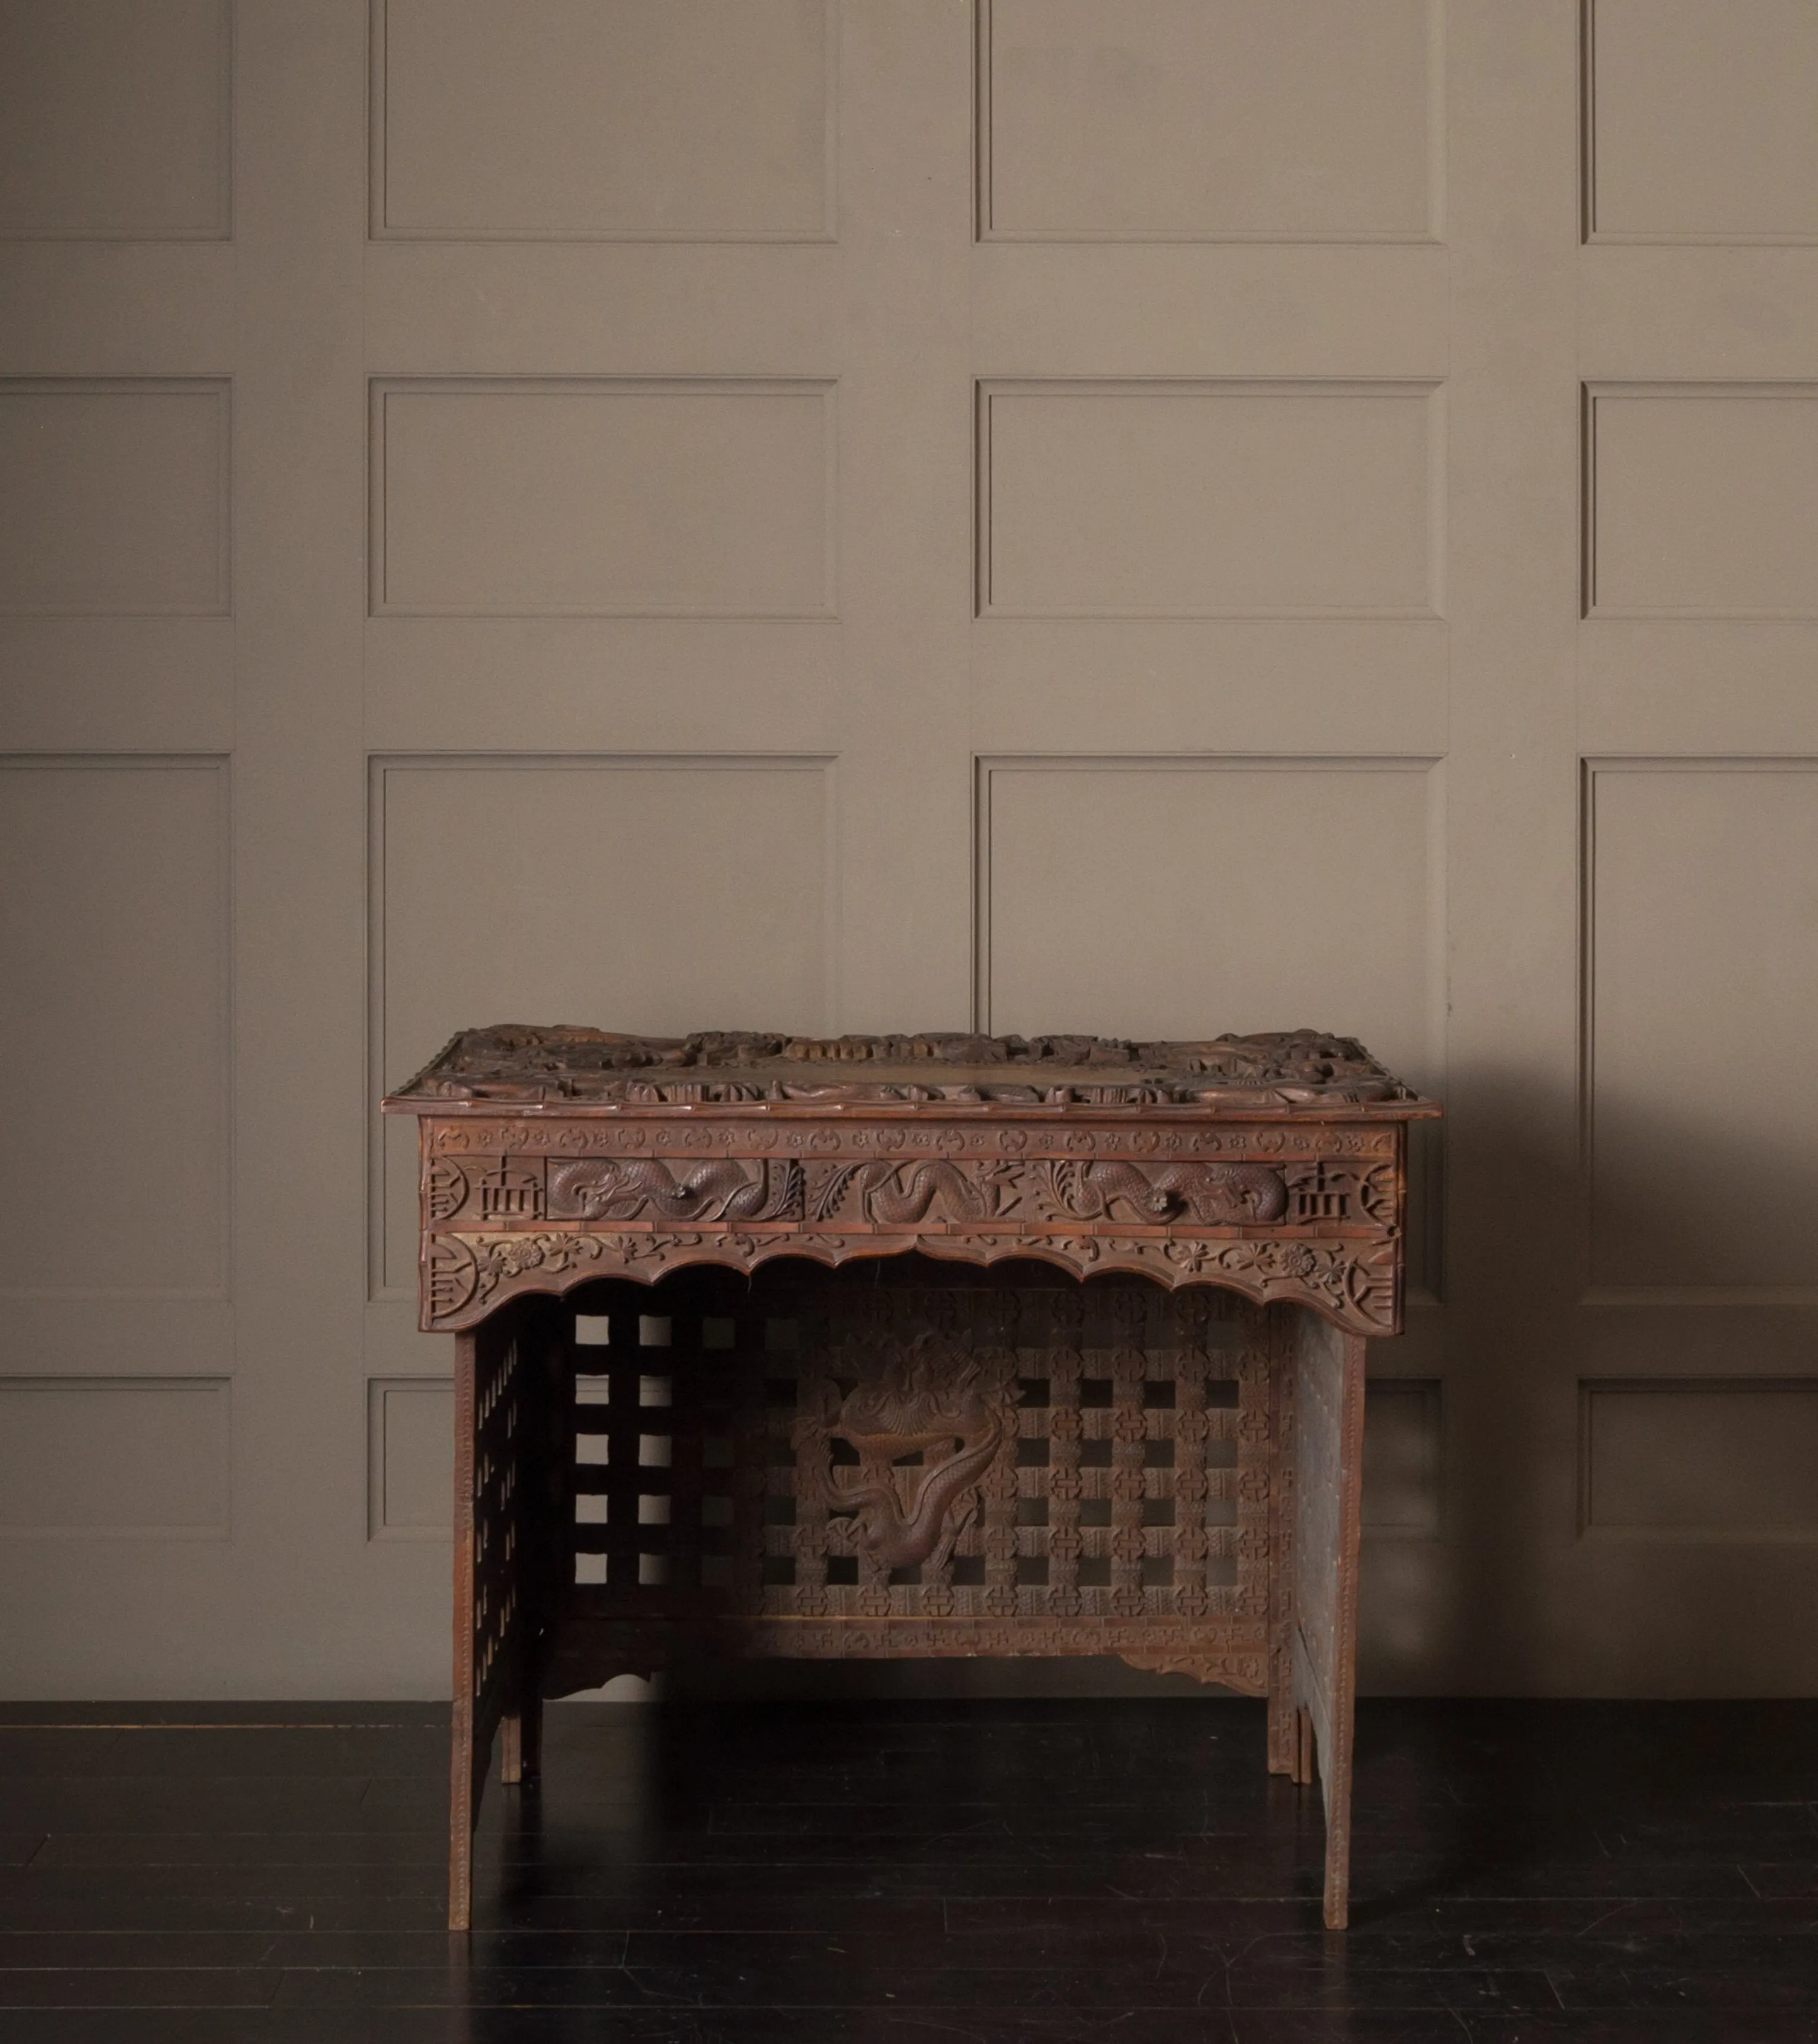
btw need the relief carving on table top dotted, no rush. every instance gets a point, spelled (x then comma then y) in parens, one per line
(926, 1424)
(1302, 1068)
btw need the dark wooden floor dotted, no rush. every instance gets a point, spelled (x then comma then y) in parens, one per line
(919, 1873)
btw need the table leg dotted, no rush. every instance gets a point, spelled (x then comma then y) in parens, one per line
(1328, 1454)
(461, 1727)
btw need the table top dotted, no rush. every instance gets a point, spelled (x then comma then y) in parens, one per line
(1303, 1072)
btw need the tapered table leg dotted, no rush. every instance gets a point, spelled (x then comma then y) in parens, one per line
(461, 1727)
(1328, 1454)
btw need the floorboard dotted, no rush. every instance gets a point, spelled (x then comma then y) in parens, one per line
(753, 1872)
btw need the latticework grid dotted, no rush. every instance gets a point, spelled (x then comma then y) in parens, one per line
(707, 1471)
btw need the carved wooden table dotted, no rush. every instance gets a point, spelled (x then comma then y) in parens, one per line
(690, 1418)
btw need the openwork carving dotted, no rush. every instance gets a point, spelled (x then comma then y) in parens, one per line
(925, 1428)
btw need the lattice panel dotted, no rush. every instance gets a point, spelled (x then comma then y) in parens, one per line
(499, 1413)
(877, 1445)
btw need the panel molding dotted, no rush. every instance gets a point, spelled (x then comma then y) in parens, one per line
(218, 1389)
(1632, 1533)
(1591, 1294)
(1432, 234)
(379, 1391)
(220, 766)
(219, 603)
(1427, 1395)
(379, 227)
(381, 389)
(1429, 390)
(219, 227)
(1590, 231)
(380, 767)
(1591, 606)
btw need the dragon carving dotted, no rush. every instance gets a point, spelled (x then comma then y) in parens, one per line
(1215, 1195)
(616, 1188)
(899, 1195)
(933, 1401)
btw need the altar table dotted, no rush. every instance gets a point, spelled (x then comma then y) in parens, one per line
(906, 1346)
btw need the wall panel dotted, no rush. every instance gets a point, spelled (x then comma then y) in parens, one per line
(114, 1008)
(1710, 1458)
(116, 498)
(1403, 1459)
(541, 120)
(602, 497)
(1216, 499)
(1699, 121)
(132, 1456)
(1207, 120)
(410, 1457)
(1701, 951)
(1701, 501)
(116, 119)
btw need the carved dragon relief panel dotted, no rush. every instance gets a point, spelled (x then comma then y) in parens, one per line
(926, 1426)
(1322, 1229)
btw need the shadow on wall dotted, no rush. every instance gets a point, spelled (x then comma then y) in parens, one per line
(1625, 1453)
(1584, 1498)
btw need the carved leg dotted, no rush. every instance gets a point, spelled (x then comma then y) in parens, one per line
(461, 1798)
(1329, 1413)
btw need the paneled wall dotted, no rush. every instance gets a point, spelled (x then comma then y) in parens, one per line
(1142, 516)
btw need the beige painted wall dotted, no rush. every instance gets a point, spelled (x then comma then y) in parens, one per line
(1147, 516)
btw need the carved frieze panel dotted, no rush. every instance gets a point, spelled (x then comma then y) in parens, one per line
(1310, 1215)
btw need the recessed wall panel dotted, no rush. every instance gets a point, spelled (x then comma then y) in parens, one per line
(648, 120)
(1183, 897)
(1706, 1457)
(1701, 122)
(114, 928)
(1403, 1458)
(410, 1465)
(1209, 499)
(1207, 120)
(1702, 980)
(114, 119)
(1702, 500)
(129, 1455)
(116, 502)
(659, 895)
(603, 497)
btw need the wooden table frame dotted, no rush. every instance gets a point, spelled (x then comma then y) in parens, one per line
(1274, 1170)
